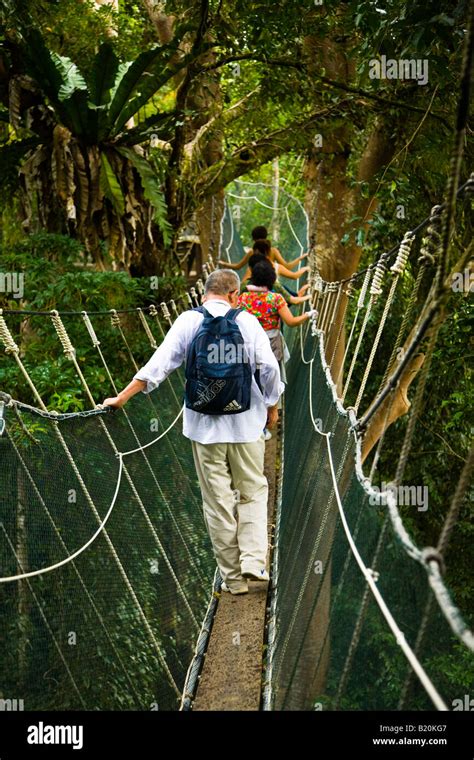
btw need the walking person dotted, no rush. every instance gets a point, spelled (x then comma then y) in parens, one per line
(270, 307)
(228, 402)
(258, 234)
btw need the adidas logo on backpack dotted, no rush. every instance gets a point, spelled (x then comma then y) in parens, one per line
(219, 386)
(234, 406)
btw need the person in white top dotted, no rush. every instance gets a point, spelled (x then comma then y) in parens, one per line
(228, 449)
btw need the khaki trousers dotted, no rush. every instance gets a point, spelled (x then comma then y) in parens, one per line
(237, 522)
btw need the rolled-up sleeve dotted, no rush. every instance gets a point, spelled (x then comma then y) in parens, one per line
(167, 357)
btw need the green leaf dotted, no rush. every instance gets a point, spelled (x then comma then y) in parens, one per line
(104, 73)
(140, 81)
(60, 80)
(152, 191)
(110, 185)
(163, 125)
(72, 79)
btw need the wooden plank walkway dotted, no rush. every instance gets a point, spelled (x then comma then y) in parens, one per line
(232, 672)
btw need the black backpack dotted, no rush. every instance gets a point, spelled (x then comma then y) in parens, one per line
(218, 371)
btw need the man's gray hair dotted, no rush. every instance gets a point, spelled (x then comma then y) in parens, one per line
(221, 282)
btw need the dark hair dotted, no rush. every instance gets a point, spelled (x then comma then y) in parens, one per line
(259, 233)
(263, 274)
(256, 258)
(262, 246)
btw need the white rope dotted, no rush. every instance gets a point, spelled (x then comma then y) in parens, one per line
(369, 576)
(151, 443)
(450, 612)
(75, 554)
(254, 198)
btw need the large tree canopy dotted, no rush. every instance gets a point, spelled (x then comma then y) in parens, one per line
(125, 122)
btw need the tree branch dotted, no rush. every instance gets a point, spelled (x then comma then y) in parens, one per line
(303, 67)
(258, 152)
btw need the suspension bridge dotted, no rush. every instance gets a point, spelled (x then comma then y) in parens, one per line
(107, 575)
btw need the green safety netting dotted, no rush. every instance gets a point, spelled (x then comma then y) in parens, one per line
(114, 628)
(329, 646)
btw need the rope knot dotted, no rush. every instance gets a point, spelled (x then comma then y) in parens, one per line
(376, 287)
(174, 307)
(430, 554)
(146, 327)
(68, 348)
(166, 311)
(6, 337)
(114, 318)
(403, 253)
(363, 290)
(90, 329)
(194, 295)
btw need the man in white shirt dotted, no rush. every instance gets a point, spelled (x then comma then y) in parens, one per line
(228, 449)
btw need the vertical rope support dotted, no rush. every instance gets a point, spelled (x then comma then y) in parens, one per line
(317, 292)
(375, 291)
(194, 296)
(200, 288)
(335, 309)
(342, 321)
(166, 313)
(397, 270)
(456, 503)
(327, 305)
(174, 309)
(146, 327)
(359, 307)
(428, 249)
(154, 315)
(416, 405)
(116, 323)
(69, 349)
